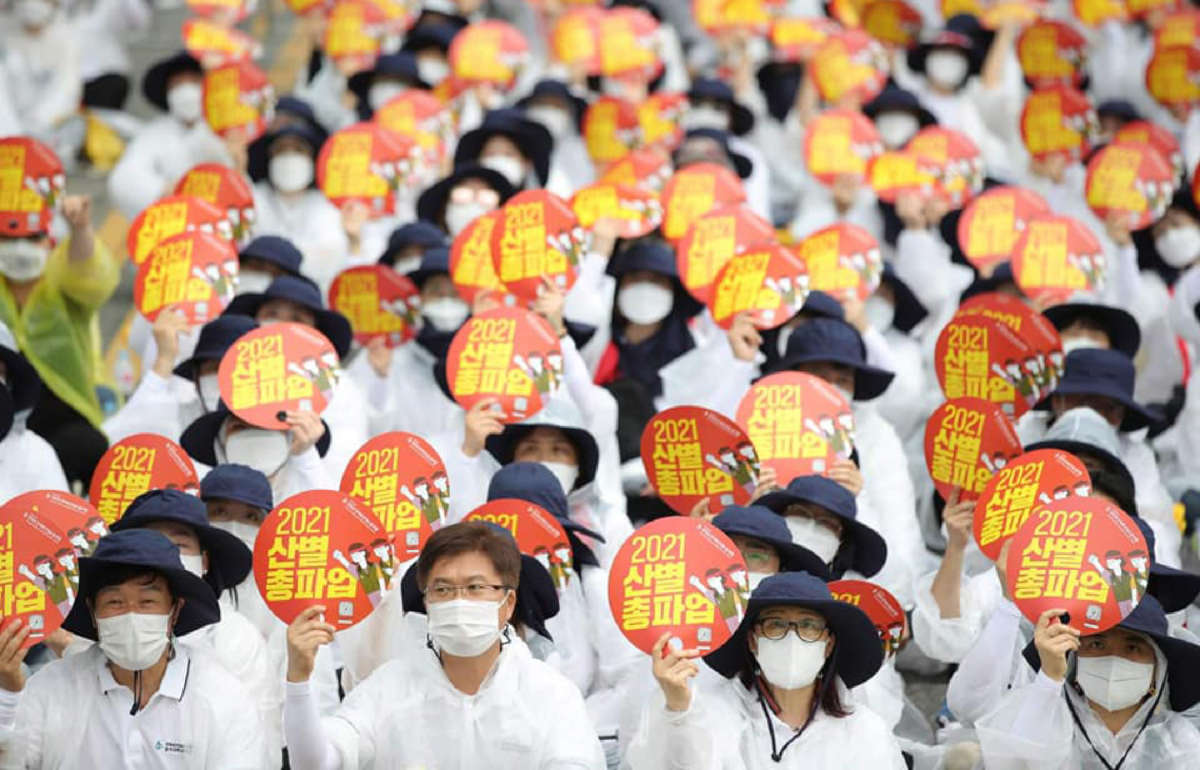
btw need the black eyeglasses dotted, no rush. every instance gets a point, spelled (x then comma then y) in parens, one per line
(808, 629)
(476, 591)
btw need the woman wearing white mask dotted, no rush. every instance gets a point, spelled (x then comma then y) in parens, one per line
(514, 146)
(790, 664)
(552, 104)
(168, 146)
(473, 697)
(457, 200)
(135, 597)
(392, 75)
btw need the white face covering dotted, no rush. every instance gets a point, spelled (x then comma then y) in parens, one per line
(134, 641)
(705, 116)
(790, 662)
(566, 475)
(1179, 246)
(193, 563)
(946, 68)
(34, 14)
(253, 281)
(896, 128)
(1113, 682)
(880, 313)
(814, 536)
(463, 627)
(512, 169)
(459, 215)
(209, 389)
(405, 265)
(22, 259)
(185, 102)
(644, 302)
(383, 92)
(445, 314)
(556, 121)
(247, 533)
(263, 450)
(1079, 343)
(290, 172)
(757, 577)
(432, 71)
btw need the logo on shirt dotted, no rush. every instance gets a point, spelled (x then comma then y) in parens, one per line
(173, 747)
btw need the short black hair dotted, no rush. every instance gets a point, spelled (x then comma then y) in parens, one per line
(117, 574)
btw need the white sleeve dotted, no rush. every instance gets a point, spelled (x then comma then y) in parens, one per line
(303, 472)
(22, 728)
(950, 639)
(136, 181)
(673, 740)
(60, 97)
(308, 748)
(923, 263)
(590, 300)
(469, 476)
(879, 351)
(692, 378)
(1031, 728)
(985, 672)
(151, 409)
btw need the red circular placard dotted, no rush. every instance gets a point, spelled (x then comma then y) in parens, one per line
(379, 303)
(980, 357)
(695, 190)
(712, 240)
(196, 272)
(75, 517)
(634, 210)
(1026, 483)
(966, 441)
(768, 281)
(691, 454)
(537, 235)
(840, 142)
(137, 464)
(881, 607)
(281, 367)
(226, 189)
(843, 260)
(991, 224)
(170, 216)
(1131, 179)
(40, 579)
(537, 532)
(1057, 256)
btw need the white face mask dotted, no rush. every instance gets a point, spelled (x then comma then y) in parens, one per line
(556, 121)
(463, 627)
(253, 281)
(644, 302)
(757, 577)
(946, 68)
(193, 563)
(1179, 246)
(512, 169)
(406, 265)
(459, 215)
(186, 102)
(432, 71)
(880, 313)
(1079, 343)
(445, 314)
(209, 389)
(566, 475)
(290, 172)
(790, 662)
(134, 641)
(705, 116)
(22, 259)
(816, 537)
(1113, 682)
(263, 450)
(383, 92)
(896, 128)
(247, 533)
(34, 14)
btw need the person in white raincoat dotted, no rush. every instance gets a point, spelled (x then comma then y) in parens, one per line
(790, 662)
(27, 461)
(474, 698)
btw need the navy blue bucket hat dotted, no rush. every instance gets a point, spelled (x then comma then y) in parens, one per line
(274, 250)
(401, 65)
(152, 551)
(857, 654)
(424, 235)
(867, 548)
(830, 340)
(228, 558)
(431, 205)
(896, 99)
(304, 293)
(239, 483)
(741, 163)
(764, 524)
(549, 88)
(1106, 373)
(258, 154)
(198, 439)
(1001, 279)
(1122, 329)
(534, 483)
(435, 261)
(216, 337)
(963, 32)
(430, 35)
(530, 137)
(558, 413)
(154, 84)
(655, 256)
(741, 119)
(909, 310)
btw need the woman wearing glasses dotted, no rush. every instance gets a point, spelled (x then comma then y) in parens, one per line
(790, 663)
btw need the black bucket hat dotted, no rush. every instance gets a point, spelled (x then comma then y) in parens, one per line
(657, 257)
(153, 551)
(558, 413)
(530, 137)
(828, 339)
(426, 235)
(1174, 588)
(216, 337)
(401, 65)
(909, 310)
(275, 250)
(741, 119)
(557, 89)
(154, 84)
(763, 524)
(741, 163)
(258, 154)
(431, 205)
(239, 483)
(857, 654)
(199, 437)
(1000, 278)
(430, 35)
(896, 99)
(1122, 329)
(963, 32)
(1107, 373)
(305, 293)
(24, 384)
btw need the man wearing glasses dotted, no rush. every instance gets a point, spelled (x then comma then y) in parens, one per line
(472, 696)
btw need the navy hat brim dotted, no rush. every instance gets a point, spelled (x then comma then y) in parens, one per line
(870, 549)
(1174, 588)
(503, 445)
(892, 99)
(198, 438)
(258, 154)
(869, 382)
(533, 140)
(432, 202)
(1122, 329)
(24, 384)
(1136, 415)
(792, 557)
(154, 84)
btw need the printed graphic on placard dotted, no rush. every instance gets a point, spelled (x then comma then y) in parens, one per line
(691, 454)
(1052, 53)
(537, 532)
(967, 441)
(1031, 327)
(768, 281)
(39, 572)
(75, 517)
(1179, 28)
(226, 189)
(1130, 179)
(681, 576)
(226, 11)
(629, 48)
(798, 423)
(632, 211)
(238, 100)
(1093, 13)
(365, 163)
(658, 119)
(850, 64)
(954, 161)
(648, 167)
(421, 117)
(471, 265)
(991, 223)
(1145, 132)
(1171, 76)
(797, 39)
(401, 478)
(574, 39)
(611, 129)
(1026, 483)
(893, 22)
(980, 357)
(840, 142)
(173, 215)
(32, 184)
(490, 52)
(694, 191)
(138, 464)
(1083, 555)
(900, 172)
(379, 303)
(712, 240)
(884, 610)
(1058, 120)
(215, 45)
(195, 272)
(508, 354)
(1056, 257)
(354, 33)
(842, 260)
(537, 235)
(283, 367)
(323, 547)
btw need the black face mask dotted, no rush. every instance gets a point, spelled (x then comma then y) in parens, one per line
(7, 410)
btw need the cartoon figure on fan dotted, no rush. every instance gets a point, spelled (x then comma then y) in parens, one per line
(407, 308)
(554, 364)
(223, 279)
(791, 291)
(1092, 266)
(69, 563)
(1127, 587)
(747, 456)
(1014, 375)
(369, 574)
(729, 462)
(385, 557)
(441, 497)
(1060, 492)
(432, 507)
(995, 463)
(560, 565)
(718, 589)
(56, 584)
(533, 365)
(833, 432)
(1157, 195)
(95, 528)
(323, 372)
(572, 245)
(892, 637)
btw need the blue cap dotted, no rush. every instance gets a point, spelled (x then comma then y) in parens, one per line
(304, 293)
(423, 234)
(534, 483)
(239, 483)
(831, 340)
(278, 251)
(1106, 373)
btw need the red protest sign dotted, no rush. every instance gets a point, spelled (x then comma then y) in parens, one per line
(849, 65)
(1171, 76)
(840, 142)
(892, 22)
(238, 100)
(980, 357)
(39, 572)
(633, 211)
(71, 515)
(691, 454)
(226, 189)
(215, 45)
(32, 182)
(508, 354)
(403, 481)
(1131, 179)
(537, 532)
(195, 271)
(491, 52)
(354, 32)
(611, 129)
(1139, 8)
(991, 223)
(1026, 483)
(843, 260)
(899, 172)
(798, 423)
(881, 607)
(629, 46)
(138, 464)
(953, 159)
(323, 547)
(1058, 120)
(681, 576)
(796, 39)
(658, 119)
(422, 118)
(1093, 13)
(712, 240)
(648, 167)
(768, 281)
(379, 303)
(365, 163)
(966, 441)
(1181, 28)
(1031, 327)
(283, 367)
(1145, 132)
(574, 39)
(537, 235)
(471, 265)
(173, 215)
(1056, 257)
(695, 190)
(1051, 53)
(1083, 555)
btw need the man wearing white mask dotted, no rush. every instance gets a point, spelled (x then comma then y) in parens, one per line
(898, 116)
(135, 698)
(474, 698)
(168, 146)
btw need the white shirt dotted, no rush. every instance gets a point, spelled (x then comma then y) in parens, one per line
(309, 221)
(73, 714)
(162, 152)
(27, 463)
(43, 76)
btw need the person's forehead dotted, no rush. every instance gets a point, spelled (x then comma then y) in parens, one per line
(1119, 636)
(463, 566)
(745, 541)
(543, 434)
(284, 305)
(789, 612)
(150, 582)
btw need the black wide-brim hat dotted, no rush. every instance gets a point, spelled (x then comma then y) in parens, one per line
(1106, 373)
(557, 89)
(502, 446)
(154, 83)
(741, 164)
(896, 99)
(963, 32)
(530, 137)
(258, 154)
(741, 119)
(305, 293)
(909, 310)
(24, 384)
(830, 340)
(432, 202)
(1122, 329)
(401, 65)
(198, 438)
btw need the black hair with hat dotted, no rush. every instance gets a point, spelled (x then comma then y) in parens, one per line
(1001, 279)
(1122, 329)
(1121, 109)
(561, 415)
(199, 438)
(763, 524)
(276, 251)
(1106, 373)
(741, 119)
(216, 337)
(817, 304)
(828, 340)
(530, 137)
(302, 292)
(435, 261)
(431, 205)
(154, 83)
(258, 153)
(741, 164)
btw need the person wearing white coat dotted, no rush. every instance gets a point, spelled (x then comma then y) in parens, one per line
(27, 461)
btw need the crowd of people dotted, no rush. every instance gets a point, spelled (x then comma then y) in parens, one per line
(476, 654)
